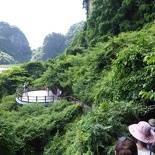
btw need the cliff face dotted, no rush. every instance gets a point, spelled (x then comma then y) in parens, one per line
(14, 43)
(90, 4)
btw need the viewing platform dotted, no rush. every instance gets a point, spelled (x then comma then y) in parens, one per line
(37, 96)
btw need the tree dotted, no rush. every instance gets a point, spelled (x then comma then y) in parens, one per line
(73, 30)
(112, 17)
(53, 45)
(37, 54)
(14, 43)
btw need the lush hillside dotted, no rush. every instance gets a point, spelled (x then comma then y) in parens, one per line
(15, 48)
(110, 17)
(73, 30)
(115, 79)
(14, 44)
(6, 59)
(55, 44)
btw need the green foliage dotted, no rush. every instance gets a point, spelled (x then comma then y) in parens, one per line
(139, 75)
(74, 50)
(114, 77)
(35, 125)
(95, 132)
(34, 69)
(113, 17)
(113, 70)
(8, 103)
(8, 139)
(14, 43)
(14, 78)
(53, 45)
(73, 30)
(5, 58)
(37, 54)
(10, 79)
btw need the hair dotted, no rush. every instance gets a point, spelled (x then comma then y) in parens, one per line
(126, 147)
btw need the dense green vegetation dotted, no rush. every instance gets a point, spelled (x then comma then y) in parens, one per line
(55, 44)
(112, 77)
(110, 17)
(6, 59)
(14, 46)
(73, 30)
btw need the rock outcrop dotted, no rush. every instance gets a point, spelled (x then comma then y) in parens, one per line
(14, 43)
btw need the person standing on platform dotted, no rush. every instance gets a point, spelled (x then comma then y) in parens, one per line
(59, 92)
(48, 90)
(25, 87)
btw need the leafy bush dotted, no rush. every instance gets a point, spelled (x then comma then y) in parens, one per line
(6, 59)
(8, 103)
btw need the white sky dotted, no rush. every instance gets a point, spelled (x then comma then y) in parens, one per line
(38, 18)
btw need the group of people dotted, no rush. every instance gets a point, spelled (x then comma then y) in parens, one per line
(59, 92)
(25, 87)
(142, 143)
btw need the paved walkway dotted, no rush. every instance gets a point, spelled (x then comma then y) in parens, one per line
(40, 96)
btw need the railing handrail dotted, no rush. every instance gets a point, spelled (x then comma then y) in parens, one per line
(71, 98)
(28, 98)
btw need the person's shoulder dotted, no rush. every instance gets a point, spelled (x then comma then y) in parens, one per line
(140, 152)
(153, 128)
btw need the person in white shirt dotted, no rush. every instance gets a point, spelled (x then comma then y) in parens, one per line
(143, 134)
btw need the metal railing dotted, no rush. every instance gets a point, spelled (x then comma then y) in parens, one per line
(40, 99)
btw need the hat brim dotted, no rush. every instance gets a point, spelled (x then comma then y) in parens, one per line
(139, 136)
(152, 122)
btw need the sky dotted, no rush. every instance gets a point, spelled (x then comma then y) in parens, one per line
(38, 18)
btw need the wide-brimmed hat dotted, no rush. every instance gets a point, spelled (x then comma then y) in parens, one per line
(142, 132)
(152, 122)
